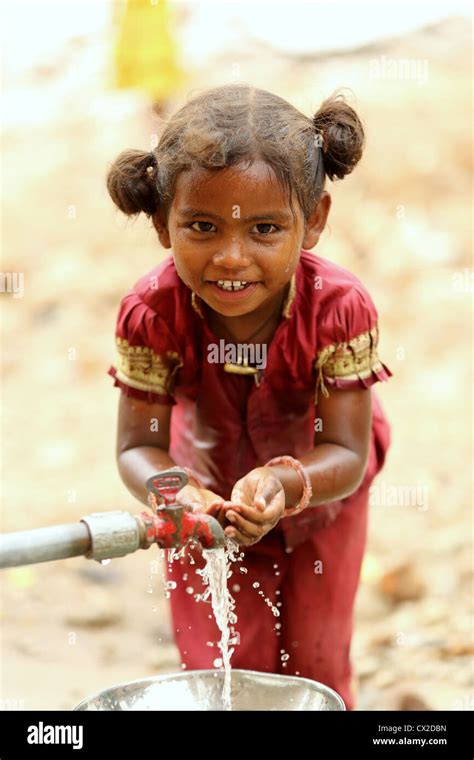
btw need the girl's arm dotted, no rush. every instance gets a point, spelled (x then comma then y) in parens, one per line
(143, 439)
(337, 463)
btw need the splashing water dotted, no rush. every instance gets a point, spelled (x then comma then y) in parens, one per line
(214, 575)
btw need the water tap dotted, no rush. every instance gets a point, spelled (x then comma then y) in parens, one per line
(105, 535)
(172, 524)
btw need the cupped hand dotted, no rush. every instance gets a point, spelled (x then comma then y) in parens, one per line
(257, 504)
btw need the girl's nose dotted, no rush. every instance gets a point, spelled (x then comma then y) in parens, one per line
(233, 256)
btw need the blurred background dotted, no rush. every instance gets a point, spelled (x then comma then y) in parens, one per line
(99, 78)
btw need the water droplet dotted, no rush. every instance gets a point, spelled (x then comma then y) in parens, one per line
(277, 573)
(279, 604)
(297, 673)
(278, 625)
(189, 590)
(210, 644)
(183, 666)
(256, 584)
(275, 567)
(236, 588)
(217, 662)
(278, 591)
(185, 577)
(170, 584)
(288, 550)
(284, 664)
(243, 569)
(285, 657)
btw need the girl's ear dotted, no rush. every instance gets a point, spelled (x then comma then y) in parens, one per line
(317, 221)
(162, 229)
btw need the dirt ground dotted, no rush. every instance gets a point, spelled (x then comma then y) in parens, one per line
(401, 222)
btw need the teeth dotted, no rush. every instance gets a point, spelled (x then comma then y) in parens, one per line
(232, 284)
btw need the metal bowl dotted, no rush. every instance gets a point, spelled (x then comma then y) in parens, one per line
(202, 690)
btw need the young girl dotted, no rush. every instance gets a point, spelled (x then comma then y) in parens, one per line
(282, 450)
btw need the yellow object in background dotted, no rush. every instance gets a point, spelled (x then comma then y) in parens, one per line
(146, 53)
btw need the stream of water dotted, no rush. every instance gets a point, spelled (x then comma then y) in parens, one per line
(215, 575)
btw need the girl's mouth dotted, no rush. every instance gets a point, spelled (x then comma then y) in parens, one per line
(232, 290)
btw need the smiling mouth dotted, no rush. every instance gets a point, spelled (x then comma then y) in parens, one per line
(233, 285)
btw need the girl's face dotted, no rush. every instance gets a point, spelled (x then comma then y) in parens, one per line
(235, 225)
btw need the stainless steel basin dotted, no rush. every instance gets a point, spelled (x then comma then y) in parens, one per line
(202, 690)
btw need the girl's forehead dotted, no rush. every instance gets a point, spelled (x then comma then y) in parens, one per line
(256, 183)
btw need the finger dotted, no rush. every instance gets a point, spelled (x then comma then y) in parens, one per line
(264, 493)
(244, 526)
(216, 511)
(249, 513)
(267, 492)
(238, 536)
(238, 496)
(270, 516)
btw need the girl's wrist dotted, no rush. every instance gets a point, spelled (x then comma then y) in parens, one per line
(296, 483)
(291, 482)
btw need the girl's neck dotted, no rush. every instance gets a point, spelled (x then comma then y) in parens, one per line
(238, 329)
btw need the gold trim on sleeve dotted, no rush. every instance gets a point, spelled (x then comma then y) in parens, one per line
(142, 369)
(351, 360)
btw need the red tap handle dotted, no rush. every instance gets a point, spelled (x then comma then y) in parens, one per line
(165, 485)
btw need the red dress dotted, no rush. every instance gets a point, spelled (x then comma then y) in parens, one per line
(223, 425)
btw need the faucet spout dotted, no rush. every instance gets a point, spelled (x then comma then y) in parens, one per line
(173, 525)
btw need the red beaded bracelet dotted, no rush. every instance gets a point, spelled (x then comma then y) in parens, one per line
(307, 487)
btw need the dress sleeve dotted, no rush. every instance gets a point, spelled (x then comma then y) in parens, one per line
(147, 353)
(348, 336)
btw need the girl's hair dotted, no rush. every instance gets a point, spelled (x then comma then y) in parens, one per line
(238, 123)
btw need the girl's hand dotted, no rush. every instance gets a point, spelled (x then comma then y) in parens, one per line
(200, 500)
(257, 504)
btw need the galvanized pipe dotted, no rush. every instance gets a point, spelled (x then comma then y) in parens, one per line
(104, 535)
(26, 547)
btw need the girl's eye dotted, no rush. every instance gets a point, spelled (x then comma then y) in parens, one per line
(206, 225)
(265, 231)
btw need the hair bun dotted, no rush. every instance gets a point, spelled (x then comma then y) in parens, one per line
(342, 136)
(131, 182)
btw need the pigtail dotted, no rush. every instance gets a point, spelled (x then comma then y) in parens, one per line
(341, 134)
(132, 182)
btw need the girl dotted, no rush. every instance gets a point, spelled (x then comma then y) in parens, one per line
(283, 451)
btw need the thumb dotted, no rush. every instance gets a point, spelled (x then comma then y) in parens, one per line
(263, 494)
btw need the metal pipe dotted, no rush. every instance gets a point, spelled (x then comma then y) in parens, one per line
(26, 547)
(104, 535)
